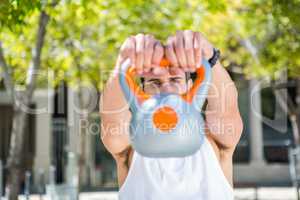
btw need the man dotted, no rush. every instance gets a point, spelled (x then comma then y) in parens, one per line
(205, 175)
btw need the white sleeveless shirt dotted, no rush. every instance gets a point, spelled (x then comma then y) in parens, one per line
(195, 177)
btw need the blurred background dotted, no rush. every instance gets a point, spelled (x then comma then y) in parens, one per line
(55, 57)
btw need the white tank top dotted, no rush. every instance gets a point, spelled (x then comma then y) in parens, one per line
(195, 177)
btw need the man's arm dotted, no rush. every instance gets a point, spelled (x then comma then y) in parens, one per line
(223, 118)
(145, 53)
(115, 117)
(185, 51)
(222, 113)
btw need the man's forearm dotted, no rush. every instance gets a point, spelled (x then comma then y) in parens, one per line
(112, 99)
(222, 112)
(115, 117)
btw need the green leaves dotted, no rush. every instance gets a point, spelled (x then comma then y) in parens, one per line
(85, 35)
(96, 30)
(272, 27)
(13, 12)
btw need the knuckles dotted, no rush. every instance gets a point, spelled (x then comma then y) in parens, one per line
(185, 42)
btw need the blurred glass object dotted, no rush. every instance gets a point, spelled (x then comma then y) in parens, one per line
(69, 190)
(1, 179)
(72, 178)
(41, 182)
(62, 192)
(27, 184)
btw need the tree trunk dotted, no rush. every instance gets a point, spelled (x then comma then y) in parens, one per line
(14, 162)
(83, 116)
(82, 158)
(295, 122)
(294, 116)
(296, 125)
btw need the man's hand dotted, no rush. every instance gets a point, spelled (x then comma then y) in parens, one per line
(145, 53)
(186, 49)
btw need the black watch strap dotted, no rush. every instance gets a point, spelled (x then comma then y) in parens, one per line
(216, 55)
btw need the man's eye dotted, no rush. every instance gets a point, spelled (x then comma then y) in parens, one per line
(176, 80)
(156, 83)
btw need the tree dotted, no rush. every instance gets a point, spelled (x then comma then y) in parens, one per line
(21, 99)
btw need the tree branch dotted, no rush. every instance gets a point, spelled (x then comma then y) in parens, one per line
(297, 99)
(284, 101)
(277, 88)
(36, 54)
(7, 75)
(284, 85)
(253, 50)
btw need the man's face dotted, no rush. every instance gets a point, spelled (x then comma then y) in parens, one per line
(169, 83)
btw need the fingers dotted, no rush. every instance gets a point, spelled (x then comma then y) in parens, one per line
(127, 50)
(189, 49)
(157, 57)
(144, 51)
(149, 49)
(158, 53)
(170, 52)
(197, 49)
(185, 51)
(179, 50)
(140, 47)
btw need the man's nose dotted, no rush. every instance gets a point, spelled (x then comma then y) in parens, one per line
(167, 87)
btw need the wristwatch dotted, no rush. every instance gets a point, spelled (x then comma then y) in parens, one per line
(216, 56)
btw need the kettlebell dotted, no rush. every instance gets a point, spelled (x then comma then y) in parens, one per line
(166, 124)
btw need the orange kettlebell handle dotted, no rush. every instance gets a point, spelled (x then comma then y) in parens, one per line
(142, 96)
(164, 62)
